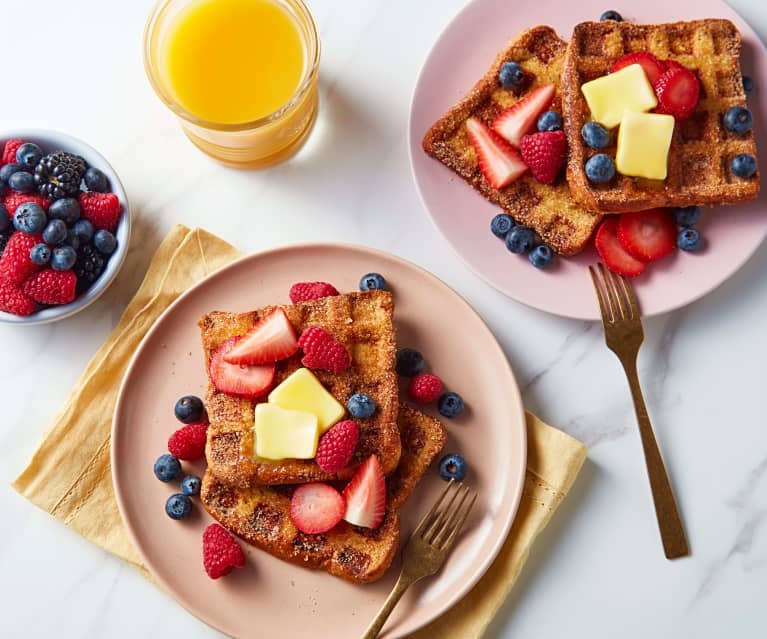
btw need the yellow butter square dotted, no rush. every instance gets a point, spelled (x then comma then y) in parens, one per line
(285, 434)
(303, 391)
(609, 96)
(643, 143)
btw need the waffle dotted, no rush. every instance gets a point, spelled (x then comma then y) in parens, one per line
(261, 515)
(363, 323)
(547, 208)
(701, 148)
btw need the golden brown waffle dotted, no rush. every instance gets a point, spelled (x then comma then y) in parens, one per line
(701, 148)
(363, 323)
(547, 208)
(261, 515)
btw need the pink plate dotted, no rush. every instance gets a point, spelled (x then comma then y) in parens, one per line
(461, 55)
(270, 598)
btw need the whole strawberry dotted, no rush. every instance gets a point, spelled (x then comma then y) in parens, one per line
(101, 209)
(15, 263)
(14, 300)
(424, 388)
(51, 287)
(322, 351)
(545, 154)
(9, 150)
(188, 442)
(336, 447)
(305, 291)
(13, 200)
(220, 552)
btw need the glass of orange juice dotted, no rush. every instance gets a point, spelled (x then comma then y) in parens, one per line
(241, 75)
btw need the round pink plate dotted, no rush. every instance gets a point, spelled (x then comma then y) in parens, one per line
(462, 55)
(271, 598)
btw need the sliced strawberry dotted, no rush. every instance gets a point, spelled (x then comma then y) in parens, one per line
(365, 495)
(678, 92)
(498, 161)
(239, 379)
(612, 253)
(272, 338)
(647, 235)
(653, 67)
(520, 118)
(316, 507)
(672, 64)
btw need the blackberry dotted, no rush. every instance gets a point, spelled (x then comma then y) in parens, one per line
(89, 265)
(59, 174)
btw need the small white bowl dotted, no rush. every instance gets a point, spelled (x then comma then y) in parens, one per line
(51, 141)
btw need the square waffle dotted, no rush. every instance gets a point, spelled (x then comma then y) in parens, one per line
(547, 208)
(701, 148)
(363, 322)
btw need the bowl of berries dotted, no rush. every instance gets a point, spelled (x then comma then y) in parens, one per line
(64, 226)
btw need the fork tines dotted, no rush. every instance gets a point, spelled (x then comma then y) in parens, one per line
(616, 296)
(442, 524)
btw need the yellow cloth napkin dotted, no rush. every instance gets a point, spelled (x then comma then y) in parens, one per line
(69, 474)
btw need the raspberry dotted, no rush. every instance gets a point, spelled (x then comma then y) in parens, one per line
(188, 442)
(424, 388)
(545, 154)
(322, 351)
(14, 200)
(14, 300)
(304, 291)
(337, 446)
(9, 151)
(220, 552)
(101, 209)
(51, 287)
(15, 263)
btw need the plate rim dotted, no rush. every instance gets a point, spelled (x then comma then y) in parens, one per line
(130, 371)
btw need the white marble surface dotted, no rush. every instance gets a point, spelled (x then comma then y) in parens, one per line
(598, 570)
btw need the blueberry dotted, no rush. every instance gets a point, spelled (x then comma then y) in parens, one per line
(541, 256)
(63, 258)
(511, 75)
(22, 182)
(95, 180)
(5, 219)
(190, 485)
(689, 239)
(361, 405)
(501, 225)
(3, 188)
(104, 242)
(189, 409)
(8, 170)
(600, 168)
(83, 230)
(409, 362)
(748, 84)
(372, 282)
(66, 208)
(743, 165)
(55, 232)
(687, 215)
(167, 467)
(738, 120)
(40, 254)
(28, 155)
(72, 240)
(30, 218)
(450, 405)
(595, 135)
(520, 239)
(550, 121)
(452, 466)
(611, 15)
(178, 506)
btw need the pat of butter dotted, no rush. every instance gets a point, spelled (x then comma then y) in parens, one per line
(609, 96)
(303, 391)
(285, 434)
(643, 143)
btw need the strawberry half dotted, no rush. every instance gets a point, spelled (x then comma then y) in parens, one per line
(498, 161)
(652, 67)
(672, 64)
(316, 507)
(239, 379)
(520, 118)
(365, 495)
(678, 92)
(647, 235)
(271, 339)
(612, 253)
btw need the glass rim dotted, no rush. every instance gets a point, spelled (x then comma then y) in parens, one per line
(310, 74)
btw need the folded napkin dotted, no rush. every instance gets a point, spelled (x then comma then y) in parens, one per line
(69, 474)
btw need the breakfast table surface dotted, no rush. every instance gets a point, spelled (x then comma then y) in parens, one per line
(598, 569)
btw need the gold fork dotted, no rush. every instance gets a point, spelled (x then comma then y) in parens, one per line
(624, 336)
(427, 547)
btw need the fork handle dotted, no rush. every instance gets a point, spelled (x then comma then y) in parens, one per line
(666, 511)
(403, 583)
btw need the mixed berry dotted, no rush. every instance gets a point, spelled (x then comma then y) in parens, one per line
(57, 225)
